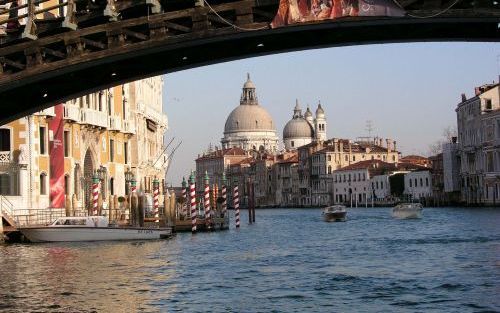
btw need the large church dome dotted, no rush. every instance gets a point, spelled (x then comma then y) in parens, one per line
(248, 118)
(249, 125)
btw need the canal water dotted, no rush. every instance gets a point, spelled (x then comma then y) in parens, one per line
(289, 261)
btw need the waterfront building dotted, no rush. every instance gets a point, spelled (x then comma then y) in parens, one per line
(451, 167)
(287, 187)
(215, 163)
(48, 159)
(478, 146)
(363, 183)
(335, 154)
(437, 172)
(418, 185)
(303, 129)
(249, 126)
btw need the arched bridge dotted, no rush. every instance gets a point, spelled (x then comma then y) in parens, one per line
(54, 50)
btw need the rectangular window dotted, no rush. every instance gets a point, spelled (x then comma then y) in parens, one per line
(111, 150)
(43, 147)
(125, 149)
(66, 142)
(4, 139)
(66, 185)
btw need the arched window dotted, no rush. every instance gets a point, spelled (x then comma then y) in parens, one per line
(329, 158)
(329, 169)
(43, 184)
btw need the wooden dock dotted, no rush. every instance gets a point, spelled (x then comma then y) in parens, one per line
(219, 223)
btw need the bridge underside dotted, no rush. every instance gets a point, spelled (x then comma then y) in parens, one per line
(34, 86)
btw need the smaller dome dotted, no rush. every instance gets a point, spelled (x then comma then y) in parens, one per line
(297, 128)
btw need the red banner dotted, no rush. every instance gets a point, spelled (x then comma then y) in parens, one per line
(301, 11)
(56, 154)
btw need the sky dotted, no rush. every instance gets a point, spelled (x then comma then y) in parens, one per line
(408, 91)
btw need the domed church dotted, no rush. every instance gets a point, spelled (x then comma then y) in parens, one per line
(303, 129)
(249, 126)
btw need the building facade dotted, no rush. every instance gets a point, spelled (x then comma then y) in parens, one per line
(48, 160)
(478, 146)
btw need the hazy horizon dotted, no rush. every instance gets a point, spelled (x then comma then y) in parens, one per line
(408, 91)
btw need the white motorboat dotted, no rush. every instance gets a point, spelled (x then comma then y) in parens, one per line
(334, 213)
(407, 210)
(90, 228)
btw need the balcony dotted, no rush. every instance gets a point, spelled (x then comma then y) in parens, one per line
(115, 123)
(71, 113)
(47, 112)
(94, 118)
(156, 116)
(5, 157)
(128, 127)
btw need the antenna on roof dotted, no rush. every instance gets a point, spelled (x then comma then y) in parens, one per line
(369, 127)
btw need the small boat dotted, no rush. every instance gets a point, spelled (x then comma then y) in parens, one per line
(90, 228)
(407, 210)
(334, 213)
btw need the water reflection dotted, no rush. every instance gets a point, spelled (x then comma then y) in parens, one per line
(290, 261)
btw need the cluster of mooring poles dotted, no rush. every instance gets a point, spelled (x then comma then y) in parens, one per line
(132, 209)
(209, 212)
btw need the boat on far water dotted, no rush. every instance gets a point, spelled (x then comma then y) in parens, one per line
(407, 210)
(334, 213)
(90, 228)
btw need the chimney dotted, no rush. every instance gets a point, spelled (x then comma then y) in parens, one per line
(477, 91)
(464, 98)
(394, 143)
(388, 143)
(453, 139)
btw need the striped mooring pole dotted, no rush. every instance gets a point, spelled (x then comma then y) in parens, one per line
(206, 201)
(184, 196)
(224, 203)
(95, 193)
(156, 203)
(236, 202)
(192, 196)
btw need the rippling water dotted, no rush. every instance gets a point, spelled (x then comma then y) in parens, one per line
(289, 261)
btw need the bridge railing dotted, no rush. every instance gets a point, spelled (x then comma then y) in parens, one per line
(27, 13)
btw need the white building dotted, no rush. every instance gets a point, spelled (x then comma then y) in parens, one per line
(249, 126)
(418, 184)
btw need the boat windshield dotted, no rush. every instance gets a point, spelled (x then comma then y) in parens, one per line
(64, 221)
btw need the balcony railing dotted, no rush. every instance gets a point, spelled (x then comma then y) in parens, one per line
(72, 113)
(95, 118)
(128, 127)
(115, 123)
(5, 156)
(47, 112)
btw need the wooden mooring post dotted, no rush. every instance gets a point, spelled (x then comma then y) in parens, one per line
(251, 202)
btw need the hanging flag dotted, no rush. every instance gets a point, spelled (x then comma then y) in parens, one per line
(56, 156)
(302, 11)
